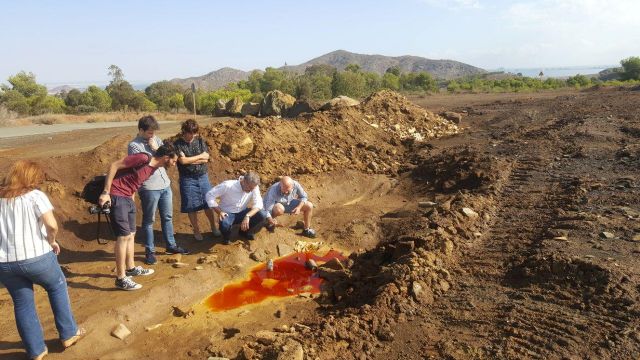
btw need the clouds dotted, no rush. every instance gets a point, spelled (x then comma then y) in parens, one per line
(454, 4)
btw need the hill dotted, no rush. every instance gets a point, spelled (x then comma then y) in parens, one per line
(443, 69)
(215, 79)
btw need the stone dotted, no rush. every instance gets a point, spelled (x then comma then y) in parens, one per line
(152, 327)
(310, 264)
(121, 332)
(421, 293)
(636, 238)
(292, 350)
(266, 337)
(181, 311)
(259, 255)
(339, 102)
(217, 358)
(284, 250)
(175, 258)
(198, 268)
(468, 212)
(447, 247)
(238, 145)
(607, 235)
(444, 285)
(403, 248)
(179, 265)
(333, 264)
(250, 108)
(276, 103)
(209, 259)
(454, 117)
(219, 109)
(426, 204)
(234, 106)
(303, 106)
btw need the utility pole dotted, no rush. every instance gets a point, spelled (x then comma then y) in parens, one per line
(193, 96)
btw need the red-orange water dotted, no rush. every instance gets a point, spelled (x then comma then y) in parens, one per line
(289, 277)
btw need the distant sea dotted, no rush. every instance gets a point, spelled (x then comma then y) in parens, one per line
(563, 71)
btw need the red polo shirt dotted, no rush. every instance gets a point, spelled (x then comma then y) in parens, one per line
(127, 181)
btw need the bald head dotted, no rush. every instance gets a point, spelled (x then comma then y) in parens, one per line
(286, 184)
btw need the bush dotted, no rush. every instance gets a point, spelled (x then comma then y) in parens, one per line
(631, 68)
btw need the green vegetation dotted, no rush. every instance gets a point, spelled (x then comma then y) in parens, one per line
(24, 96)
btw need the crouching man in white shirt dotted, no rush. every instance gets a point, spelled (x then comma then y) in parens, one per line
(230, 200)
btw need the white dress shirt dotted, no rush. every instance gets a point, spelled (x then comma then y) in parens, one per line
(231, 199)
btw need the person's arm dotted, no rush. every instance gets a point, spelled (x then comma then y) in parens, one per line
(270, 199)
(257, 206)
(51, 225)
(189, 160)
(214, 194)
(113, 169)
(302, 196)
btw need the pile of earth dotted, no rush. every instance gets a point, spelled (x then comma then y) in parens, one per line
(372, 137)
(372, 291)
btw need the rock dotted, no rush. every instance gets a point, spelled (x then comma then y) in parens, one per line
(234, 106)
(217, 358)
(179, 265)
(447, 247)
(444, 285)
(181, 311)
(176, 276)
(607, 235)
(421, 293)
(284, 250)
(259, 255)
(292, 350)
(175, 258)
(121, 332)
(276, 103)
(209, 259)
(403, 248)
(198, 268)
(152, 327)
(373, 166)
(219, 109)
(636, 238)
(426, 204)
(303, 106)
(237, 146)
(310, 264)
(333, 264)
(468, 212)
(454, 117)
(250, 108)
(339, 102)
(266, 337)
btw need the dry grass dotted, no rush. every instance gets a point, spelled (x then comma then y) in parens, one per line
(8, 118)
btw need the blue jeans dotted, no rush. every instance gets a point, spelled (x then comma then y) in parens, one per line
(231, 219)
(153, 200)
(18, 277)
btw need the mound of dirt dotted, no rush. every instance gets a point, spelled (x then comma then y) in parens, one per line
(345, 138)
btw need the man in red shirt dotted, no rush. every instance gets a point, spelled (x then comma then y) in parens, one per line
(123, 180)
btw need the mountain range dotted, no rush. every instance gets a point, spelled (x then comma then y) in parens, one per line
(442, 69)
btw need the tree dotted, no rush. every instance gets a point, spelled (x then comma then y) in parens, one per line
(123, 96)
(176, 102)
(25, 84)
(391, 81)
(352, 68)
(578, 81)
(161, 93)
(631, 68)
(348, 83)
(13, 100)
(395, 70)
(96, 97)
(73, 98)
(116, 74)
(47, 104)
(320, 69)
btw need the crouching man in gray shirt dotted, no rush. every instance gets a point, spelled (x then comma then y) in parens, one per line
(288, 197)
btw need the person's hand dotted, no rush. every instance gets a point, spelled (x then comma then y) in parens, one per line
(272, 221)
(296, 211)
(153, 144)
(222, 215)
(182, 154)
(103, 199)
(244, 226)
(204, 156)
(56, 248)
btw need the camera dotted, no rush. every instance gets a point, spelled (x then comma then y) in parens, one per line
(97, 209)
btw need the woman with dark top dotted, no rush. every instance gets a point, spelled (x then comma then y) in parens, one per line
(28, 250)
(194, 178)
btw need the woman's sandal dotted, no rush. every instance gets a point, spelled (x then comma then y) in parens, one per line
(74, 339)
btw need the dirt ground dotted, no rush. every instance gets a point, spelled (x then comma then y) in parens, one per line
(514, 236)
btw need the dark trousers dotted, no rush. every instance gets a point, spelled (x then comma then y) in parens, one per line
(255, 223)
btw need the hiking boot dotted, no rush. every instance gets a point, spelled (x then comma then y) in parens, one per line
(310, 233)
(216, 233)
(176, 250)
(126, 283)
(150, 258)
(74, 339)
(246, 235)
(139, 271)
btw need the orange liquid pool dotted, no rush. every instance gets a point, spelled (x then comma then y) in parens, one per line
(289, 277)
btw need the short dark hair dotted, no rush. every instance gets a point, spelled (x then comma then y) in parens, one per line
(166, 150)
(252, 177)
(190, 126)
(148, 122)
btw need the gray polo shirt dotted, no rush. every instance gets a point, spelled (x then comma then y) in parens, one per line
(159, 180)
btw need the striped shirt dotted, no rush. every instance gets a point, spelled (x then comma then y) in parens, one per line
(22, 232)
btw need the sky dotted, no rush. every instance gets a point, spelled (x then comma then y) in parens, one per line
(76, 41)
